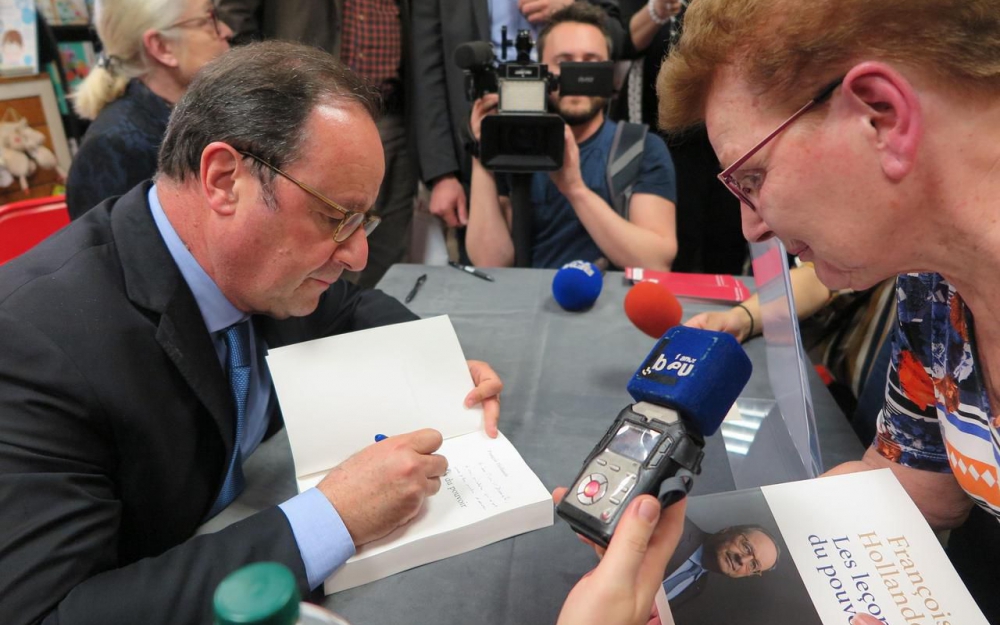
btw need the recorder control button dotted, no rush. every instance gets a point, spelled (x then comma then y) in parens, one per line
(606, 515)
(592, 488)
(602, 462)
(615, 467)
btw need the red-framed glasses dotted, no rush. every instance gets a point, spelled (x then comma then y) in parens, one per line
(746, 185)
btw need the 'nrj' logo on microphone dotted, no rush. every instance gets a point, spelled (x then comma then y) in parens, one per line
(681, 366)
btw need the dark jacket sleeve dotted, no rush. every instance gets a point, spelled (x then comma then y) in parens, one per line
(617, 29)
(61, 512)
(432, 119)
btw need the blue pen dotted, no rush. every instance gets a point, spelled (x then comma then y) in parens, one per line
(380, 437)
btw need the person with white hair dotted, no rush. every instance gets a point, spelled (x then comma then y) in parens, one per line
(152, 50)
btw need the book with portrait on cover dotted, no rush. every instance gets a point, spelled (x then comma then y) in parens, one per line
(815, 552)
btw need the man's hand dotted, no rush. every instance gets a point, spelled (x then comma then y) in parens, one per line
(539, 11)
(620, 590)
(568, 178)
(384, 485)
(482, 107)
(734, 321)
(448, 201)
(487, 393)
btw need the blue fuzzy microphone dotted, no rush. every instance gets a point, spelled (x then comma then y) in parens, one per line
(577, 285)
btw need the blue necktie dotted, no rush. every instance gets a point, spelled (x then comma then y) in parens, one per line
(238, 365)
(672, 585)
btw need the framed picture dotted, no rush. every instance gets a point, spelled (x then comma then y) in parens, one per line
(66, 12)
(32, 101)
(18, 38)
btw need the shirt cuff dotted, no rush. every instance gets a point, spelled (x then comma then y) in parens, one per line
(323, 539)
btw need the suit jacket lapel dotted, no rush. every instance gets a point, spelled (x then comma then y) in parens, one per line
(153, 282)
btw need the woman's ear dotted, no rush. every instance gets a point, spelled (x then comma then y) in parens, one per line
(890, 104)
(160, 48)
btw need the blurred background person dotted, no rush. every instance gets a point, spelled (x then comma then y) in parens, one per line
(709, 237)
(152, 50)
(442, 109)
(370, 37)
(573, 212)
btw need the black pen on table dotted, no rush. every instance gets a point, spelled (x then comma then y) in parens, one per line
(472, 270)
(416, 287)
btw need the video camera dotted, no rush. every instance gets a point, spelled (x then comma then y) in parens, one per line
(524, 137)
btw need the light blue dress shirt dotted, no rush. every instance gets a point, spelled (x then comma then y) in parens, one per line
(323, 539)
(506, 13)
(685, 575)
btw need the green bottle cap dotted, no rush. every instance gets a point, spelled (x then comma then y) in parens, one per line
(264, 593)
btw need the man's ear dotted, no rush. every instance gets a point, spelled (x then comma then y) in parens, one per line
(220, 180)
(890, 104)
(160, 48)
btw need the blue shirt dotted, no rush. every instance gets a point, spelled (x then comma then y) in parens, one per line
(506, 13)
(323, 540)
(559, 235)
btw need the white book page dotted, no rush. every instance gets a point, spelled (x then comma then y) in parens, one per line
(338, 392)
(488, 494)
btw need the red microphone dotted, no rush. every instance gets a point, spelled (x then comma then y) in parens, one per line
(652, 308)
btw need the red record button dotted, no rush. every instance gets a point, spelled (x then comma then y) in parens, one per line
(592, 488)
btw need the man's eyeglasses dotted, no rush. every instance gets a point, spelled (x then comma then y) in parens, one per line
(197, 22)
(746, 548)
(346, 225)
(746, 185)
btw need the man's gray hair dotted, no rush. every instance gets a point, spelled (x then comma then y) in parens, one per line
(257, 98)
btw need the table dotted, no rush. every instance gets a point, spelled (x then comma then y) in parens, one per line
(565, 375)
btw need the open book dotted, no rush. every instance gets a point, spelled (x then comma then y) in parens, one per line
(815, 552)
(339, 392)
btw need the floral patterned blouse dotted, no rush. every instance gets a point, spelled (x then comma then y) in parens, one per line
(937, 413)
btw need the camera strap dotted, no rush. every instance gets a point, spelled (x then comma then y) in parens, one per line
(625, 164)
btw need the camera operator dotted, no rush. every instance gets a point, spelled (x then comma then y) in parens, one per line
(572, 214)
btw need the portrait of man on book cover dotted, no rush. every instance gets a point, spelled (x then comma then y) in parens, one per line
(732, 559)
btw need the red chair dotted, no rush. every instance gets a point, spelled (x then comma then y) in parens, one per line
(25, 224)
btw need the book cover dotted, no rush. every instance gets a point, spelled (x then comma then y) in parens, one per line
(712, 287)
(66, 12)
(338, 393)
(815, 552)
(18, 38)
(77, 58)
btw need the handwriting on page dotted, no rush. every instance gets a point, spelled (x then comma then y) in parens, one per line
(479, 483)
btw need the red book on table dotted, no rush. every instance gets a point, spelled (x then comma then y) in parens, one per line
(717, 287)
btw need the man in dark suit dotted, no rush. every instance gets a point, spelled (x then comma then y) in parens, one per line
(441, 107)
(738, 551)
(372, 37)
(132, 377)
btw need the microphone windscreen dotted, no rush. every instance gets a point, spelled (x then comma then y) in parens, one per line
(473, 53)
(576, 286)
(652, 308)
(699, 373)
